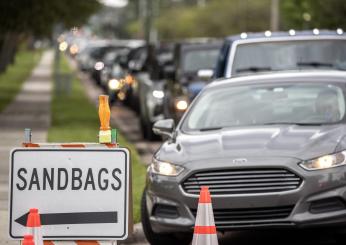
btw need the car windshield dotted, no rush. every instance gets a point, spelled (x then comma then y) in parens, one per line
(99, 52)
(198, 59)
(292, 55)
(250, 105)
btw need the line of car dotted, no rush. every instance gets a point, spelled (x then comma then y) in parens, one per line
(157, 81)
(267, 135)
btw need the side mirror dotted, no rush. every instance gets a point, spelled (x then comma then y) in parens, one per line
(164, 127)
(205, 74)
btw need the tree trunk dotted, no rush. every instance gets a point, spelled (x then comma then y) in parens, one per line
(8, 49)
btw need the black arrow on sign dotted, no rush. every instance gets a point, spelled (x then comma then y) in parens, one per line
(73, 218)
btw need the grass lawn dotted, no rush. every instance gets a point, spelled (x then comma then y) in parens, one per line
(75, 119)
(12, 79)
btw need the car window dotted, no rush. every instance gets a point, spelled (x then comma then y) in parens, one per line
(194, 60)
(301, 103)
(292, 55)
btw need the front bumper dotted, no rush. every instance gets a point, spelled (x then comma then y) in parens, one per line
(320, 200)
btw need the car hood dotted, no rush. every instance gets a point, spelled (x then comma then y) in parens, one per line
(301, 142)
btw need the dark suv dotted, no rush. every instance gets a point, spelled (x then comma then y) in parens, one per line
(193, 67)
(249, 53)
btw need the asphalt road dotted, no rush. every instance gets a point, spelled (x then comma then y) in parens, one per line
(281, 237)
(128, 123)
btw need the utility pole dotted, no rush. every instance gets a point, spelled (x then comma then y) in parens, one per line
(274, 15)
(201, 3)
(150, 12)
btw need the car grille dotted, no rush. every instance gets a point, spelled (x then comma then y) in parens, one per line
(232, 218)
(242, 181)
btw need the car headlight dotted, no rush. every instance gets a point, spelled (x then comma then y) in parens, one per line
(63, 46)
(74, 49)
(327, 161)
(181, 105)
(114, 84)
(158, 94)
(99, 66)
(165, 168)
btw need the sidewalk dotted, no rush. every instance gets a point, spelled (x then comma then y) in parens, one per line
(30, 109)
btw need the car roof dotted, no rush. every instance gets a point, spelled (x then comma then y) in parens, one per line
(315, 33)
(196, 44)
(308, 76)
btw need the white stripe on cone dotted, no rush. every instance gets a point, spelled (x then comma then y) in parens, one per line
(205, 230)
(205, 215)
(204, 239)
(33, 226)
(37, 234)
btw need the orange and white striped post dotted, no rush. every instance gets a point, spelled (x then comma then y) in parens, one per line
(28, 240)
(205, 230)
(33, 225)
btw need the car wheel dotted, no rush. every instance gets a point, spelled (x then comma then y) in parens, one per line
(151, 136)
(147, 130)
(143, 128)
(112, 98)
(156, 238)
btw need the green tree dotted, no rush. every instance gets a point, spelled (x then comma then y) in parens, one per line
(323, 14)
(218, 18)
(23, 18)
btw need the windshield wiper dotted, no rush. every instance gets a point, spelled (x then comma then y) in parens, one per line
(254, 69)
(314, 64)
(210, 129)
(293, 123)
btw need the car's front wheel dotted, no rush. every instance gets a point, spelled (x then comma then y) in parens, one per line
(156, 238)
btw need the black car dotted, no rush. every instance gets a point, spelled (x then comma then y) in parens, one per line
(193, 67)
(99, 56)
(110, 60)
(151, 83)
(135, 64)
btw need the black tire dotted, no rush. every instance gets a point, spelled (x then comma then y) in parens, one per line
(147, 131)
(151, 136)
(156, 238)
(143, 129)
(112, 98)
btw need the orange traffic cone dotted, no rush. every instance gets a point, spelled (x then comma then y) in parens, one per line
(205, 230)
(28, 240)
(33, 225)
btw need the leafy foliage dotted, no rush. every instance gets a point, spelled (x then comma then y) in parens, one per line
(39, 16)
(184, 18)
(324, 14)
(218, 18)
